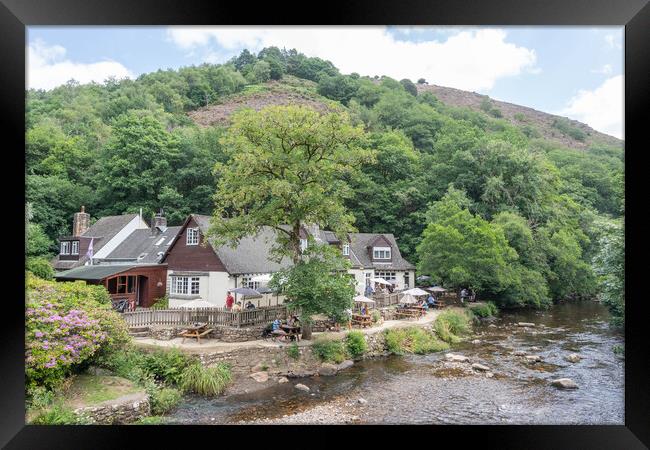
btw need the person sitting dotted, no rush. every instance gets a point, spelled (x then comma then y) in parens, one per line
(275, 325)
(236, 307)
(431, 301)
(364, 310)
(249, 305)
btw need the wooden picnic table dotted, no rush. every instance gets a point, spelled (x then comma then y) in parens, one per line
(362, 320)
(408, 312)
(196, 331)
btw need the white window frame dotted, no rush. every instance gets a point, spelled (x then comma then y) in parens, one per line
(368, 275)
(182, 285)
(194, 234)
(75, 248)
(381, 253)
(386, 275)
(346, 249)
(246, 282)
(65, 248)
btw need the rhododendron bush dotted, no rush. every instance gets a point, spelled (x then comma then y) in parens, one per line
(67, 325)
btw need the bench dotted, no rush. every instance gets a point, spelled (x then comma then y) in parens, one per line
(411, 314)
(198, 334)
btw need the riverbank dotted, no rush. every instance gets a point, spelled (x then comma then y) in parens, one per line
(429, 389)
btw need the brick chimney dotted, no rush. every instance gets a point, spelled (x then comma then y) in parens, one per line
(159, 222)
(80, 223)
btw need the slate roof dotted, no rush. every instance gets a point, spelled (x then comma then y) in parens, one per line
(359, 247)
(103, 231)
(93, 273)
(252, 253)
(141, 246)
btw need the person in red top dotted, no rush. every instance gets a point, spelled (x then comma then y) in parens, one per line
(229, 301)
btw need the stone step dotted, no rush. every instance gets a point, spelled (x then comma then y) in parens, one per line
(139, 334)
(138, 329)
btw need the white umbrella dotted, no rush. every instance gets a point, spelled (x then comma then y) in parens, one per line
(436, 289)
(198, 303)
(380, 281)
(363, 299)
(265, 278)
(416, 292)
(408, 298)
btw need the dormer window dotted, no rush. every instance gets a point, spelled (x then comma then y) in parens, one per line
(381, 253)
(303, 245)
(192, 236)
(65, 248)
(346, 249)
(75, 248)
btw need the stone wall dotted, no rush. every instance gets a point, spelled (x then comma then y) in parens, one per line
(124, 410)
(275, 360)
(225, 334)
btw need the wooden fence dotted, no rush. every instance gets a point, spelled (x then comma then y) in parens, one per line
(383, 300)
(213, 316)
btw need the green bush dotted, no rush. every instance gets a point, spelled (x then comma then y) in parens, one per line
(565, 127)
(450, 325)
(488, 309)
(376, 316)
(293, 351)
(39, 397)
(161, 303)
(164, 400)
(520, 117)
(209, 381)
(412, 340)
(329, 350)
(40, 267)
(355, 343)
(166, 365)
(59, 415)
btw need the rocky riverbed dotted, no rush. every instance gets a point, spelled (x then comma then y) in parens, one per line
(506, 373)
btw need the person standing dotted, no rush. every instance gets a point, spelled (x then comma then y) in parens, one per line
(230, 300)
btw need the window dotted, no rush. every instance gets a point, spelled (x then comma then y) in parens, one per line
(346, 249)
(368, 275)
(381, 253)
(388, 276)
(303, 245)
(65, 248)
(185, 285)
(192, 236)
(75, 247)
(123, 284)
(406, 280)
(246, 282)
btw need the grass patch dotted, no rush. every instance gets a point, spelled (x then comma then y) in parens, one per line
(355, 344)
(293, 351)
(92, 389)
(151, 420)
(488, 309)
(450, 325)
(58, 414)
(412, 340)
(329, 350)
(210, 381)
(164, 400)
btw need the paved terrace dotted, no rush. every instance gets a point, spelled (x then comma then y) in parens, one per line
(214, 345)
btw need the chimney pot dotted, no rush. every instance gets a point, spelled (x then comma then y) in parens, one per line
(80, 222)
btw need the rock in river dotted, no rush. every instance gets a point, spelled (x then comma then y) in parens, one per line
(525, 324)
(283, 380)
(346, 364)
(260, 377)
(573, 357)
(456, 358)
(362, 401)
(564, 383)
(533, 358)
(480, 367)
(519, 353)
(327, 369)
(302, 387)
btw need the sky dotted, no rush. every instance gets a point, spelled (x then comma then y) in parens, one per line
(571, 71)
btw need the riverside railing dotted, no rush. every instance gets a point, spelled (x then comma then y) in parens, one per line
(212, 316)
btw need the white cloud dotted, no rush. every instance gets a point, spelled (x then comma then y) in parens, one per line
(470, 59)
(605, 70)
(48, 68)
(613, 42)
(601, 108)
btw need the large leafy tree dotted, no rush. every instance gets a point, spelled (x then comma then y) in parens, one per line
(610, 267)
(288, 167)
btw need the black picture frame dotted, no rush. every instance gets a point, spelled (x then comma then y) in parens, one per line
(15, 15)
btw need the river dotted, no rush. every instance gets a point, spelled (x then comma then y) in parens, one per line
(428, 390)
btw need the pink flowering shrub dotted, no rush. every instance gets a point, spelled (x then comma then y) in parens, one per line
(67, 324)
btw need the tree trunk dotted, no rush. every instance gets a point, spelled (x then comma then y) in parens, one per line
(306, 330)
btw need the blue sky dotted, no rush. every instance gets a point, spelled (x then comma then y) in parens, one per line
(572, 71)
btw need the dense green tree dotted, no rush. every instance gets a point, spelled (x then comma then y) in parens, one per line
(409, 87)
(610, 267)
(286, 169)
